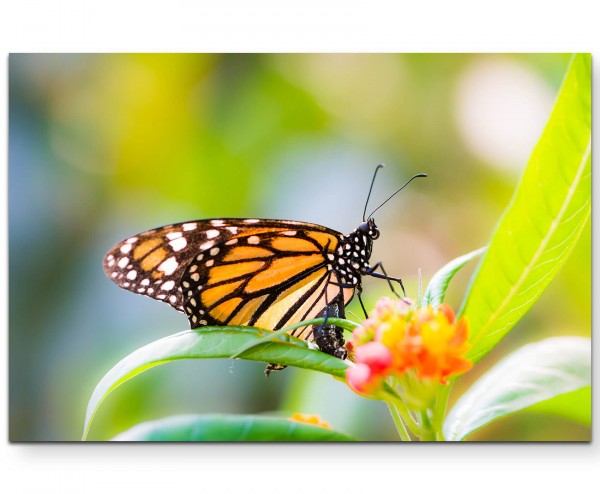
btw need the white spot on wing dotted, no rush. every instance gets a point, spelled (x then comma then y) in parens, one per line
(232, 229)
(131, 275)
(195, 277)
(214, 251)
(174, 235)
(125, 248)
(168, 285)
(253, 240)
(178, 244)
(189, 226)
(207, 245)
(253, 220)
(169, 266)
(123, 262)
(132, 240)
(232, 241)
(212, 233)
(209, 263)
(217, 223)
(291, 233)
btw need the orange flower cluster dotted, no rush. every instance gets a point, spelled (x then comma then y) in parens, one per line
(306, 418)
(398, 338)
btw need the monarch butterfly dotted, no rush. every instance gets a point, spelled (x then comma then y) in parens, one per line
(253, 272)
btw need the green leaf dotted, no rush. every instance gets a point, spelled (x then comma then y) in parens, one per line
(543, 221)
(213, 342)
(534, 373)
(228, 428)
(436, 290)
(575, 406)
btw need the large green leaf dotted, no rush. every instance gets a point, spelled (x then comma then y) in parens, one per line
(228, 428)
(214, 342)
(543, 220)
(534, 373)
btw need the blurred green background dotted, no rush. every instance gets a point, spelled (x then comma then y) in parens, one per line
(105, 146)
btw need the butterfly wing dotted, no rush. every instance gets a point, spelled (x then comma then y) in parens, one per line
(264, 273)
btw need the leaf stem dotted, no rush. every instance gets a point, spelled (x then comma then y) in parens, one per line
(401, 408)
(427, 432)
(439, 411)
(398, 422)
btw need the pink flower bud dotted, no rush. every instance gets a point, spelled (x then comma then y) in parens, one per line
(359, 379)
(375, 355)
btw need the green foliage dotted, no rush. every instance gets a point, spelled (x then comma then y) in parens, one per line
(228, 428)
(436, 290)
(535, 373)
(543, 221)
(214, 342)
(575, 406)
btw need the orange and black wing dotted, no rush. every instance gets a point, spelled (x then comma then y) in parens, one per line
(263, 273)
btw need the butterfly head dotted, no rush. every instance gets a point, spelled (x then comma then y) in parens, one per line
(369, 229)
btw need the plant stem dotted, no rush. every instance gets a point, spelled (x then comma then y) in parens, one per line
(400, 427)
(439, 411)
(427, 432)
(399, 406)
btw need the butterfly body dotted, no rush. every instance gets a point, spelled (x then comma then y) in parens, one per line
(264, 273)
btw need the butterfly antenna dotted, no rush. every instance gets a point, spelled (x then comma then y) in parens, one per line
(412, 178)
(380, 165)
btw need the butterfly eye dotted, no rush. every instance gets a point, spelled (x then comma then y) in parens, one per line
(364, 228)
(374, 234)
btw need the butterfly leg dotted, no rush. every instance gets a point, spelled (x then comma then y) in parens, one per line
(372, 272)
(358, 288)
(362, 304)
(273, 367)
